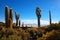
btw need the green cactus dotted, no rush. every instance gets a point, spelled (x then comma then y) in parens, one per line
(38, 13)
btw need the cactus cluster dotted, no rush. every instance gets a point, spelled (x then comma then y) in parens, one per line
(8, 17)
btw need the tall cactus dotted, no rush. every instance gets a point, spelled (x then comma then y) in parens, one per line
(38, 13)
(17, 18)
(6, 17)
(50, 17)
(10, 18)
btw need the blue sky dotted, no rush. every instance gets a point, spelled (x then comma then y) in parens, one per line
(27, 10)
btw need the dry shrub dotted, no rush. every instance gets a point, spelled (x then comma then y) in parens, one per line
(53, 35)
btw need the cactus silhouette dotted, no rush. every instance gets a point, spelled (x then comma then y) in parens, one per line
(38, 13)
(50, 17)
(17, 18)
(6, 17)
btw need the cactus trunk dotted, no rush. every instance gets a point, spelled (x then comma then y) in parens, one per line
(10, 19)
(38, 22)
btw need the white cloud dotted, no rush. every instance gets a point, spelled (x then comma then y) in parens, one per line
(34, 22)
(55, 21)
